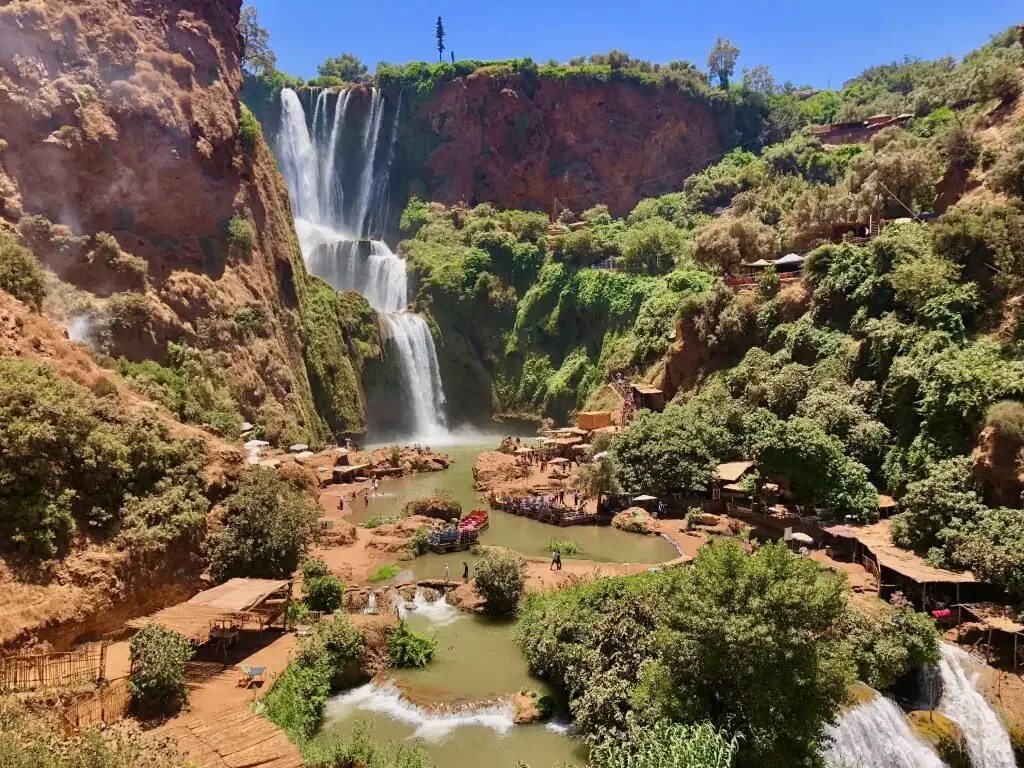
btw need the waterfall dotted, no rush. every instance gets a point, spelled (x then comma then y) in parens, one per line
(371, 605)
(876, 735)
(987, 740)
(335, 209)
(386, 699)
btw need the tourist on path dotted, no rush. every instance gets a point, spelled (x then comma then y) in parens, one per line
(556, 558)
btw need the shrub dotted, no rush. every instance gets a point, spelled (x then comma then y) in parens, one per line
(890, 643)
(32, 739)
(408, 648)
(440, 506)
(248, 128)
(666, 745)
(20, 273)
(269, 523)
(323, 593)
(564, 546)
(241, 235)
(363, 749)
(500, 581)
(158, 657)
(420, 541)
(385, 572)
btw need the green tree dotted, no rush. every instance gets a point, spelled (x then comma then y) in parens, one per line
(345, 67)
(500, 581)
(20, 273)
(439, 36)
(268, 525)
(408, 648)
(722, 61)
(257, 57)
(157, 679)
(321, 589)
(668, 451)
(599, 477)
(759, 80)
(749, 645)
(889, 642)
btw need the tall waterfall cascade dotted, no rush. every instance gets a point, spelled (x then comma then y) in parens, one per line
(988, 742)
(336, 160)
(876, 735)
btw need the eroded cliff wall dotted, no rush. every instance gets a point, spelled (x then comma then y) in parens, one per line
(122, 117)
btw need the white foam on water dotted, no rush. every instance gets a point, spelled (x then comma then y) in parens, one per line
(385, 699)
(876, 735)
(988, 742)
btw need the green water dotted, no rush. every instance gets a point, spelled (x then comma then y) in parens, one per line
(602, 544)
(451, 707)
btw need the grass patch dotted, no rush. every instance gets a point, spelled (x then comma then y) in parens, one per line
(385, 572)
(566, 547)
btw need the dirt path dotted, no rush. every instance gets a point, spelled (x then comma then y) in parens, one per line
(219, 728)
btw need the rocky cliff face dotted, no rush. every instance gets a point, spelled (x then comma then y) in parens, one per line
(121, 118)
(519, 143)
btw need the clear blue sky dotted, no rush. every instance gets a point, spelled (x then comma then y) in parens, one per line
(818, 43)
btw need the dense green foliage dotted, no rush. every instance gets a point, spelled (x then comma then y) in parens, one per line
(325, 662)
(157, 682)
(73, 459)
(666, 745)
(241, 235)
(321, 589)
(409, 648)
(702, 644)
(362, 749)
(890, 642)
(500, 581)
(248, 128)
(268, 525)
(20, 273)
(191, 385)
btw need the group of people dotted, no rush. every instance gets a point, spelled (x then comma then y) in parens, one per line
(542, 503)
(465, 572)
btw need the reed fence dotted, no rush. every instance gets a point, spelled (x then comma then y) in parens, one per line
(31, 672)
(105, 706)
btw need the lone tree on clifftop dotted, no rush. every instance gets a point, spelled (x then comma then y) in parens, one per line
(439, 34)
(256, 54)
(722, 60)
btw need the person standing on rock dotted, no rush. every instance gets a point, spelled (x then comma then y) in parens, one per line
(465, 571)
(446, 575)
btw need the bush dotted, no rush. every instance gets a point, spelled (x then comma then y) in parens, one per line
(323, 593)
(241, 235)
(20, 273)
(268, 525)
(363, 749)
(440, 506)
(890, 643)
(32, 739)
(566, 547)
(248, 128)
(408, 648)
(500, 581)
(157, 682)
(419, 543)
(666, 745)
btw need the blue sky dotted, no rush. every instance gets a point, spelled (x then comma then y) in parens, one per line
(819, 43)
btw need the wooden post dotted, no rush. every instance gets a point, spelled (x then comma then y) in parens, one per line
(103, 661)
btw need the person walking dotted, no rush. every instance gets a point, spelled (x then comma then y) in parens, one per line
(558, 560)
(465, 571)
(447, 576)
(554, 560)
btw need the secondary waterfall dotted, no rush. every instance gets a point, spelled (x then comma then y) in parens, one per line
(988, 742)
(337, 175)
(876, 735)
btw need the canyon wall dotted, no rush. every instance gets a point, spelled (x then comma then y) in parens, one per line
(121, 118)
(520, 142)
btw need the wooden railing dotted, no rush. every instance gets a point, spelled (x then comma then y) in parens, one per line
(31, 672)
(107, 705)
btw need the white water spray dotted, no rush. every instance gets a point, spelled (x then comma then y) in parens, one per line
(876, 735)
(386, 699)
(330, 221)
(988, 742)
(439, 613)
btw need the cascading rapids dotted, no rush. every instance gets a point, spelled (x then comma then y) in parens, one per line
(876, 735)
(337, 209)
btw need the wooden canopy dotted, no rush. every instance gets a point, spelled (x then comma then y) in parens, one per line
(228, 602)
(732, 471)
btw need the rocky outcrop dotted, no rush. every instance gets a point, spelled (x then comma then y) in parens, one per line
(518, 141)
(123, 167)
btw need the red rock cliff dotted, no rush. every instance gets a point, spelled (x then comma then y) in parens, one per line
(518, 144)
(121, 117)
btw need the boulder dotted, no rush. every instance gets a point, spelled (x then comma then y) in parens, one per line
(635, 520)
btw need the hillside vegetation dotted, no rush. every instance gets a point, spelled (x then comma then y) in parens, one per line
(894, 366)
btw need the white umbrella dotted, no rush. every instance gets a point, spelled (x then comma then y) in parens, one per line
(600, 455)
(645, 497)
(803, 538)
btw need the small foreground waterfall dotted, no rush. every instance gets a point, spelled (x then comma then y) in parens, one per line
(331, 156)
(876, 735)
(988, 742)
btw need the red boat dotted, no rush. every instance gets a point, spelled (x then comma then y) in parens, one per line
(477, 520)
